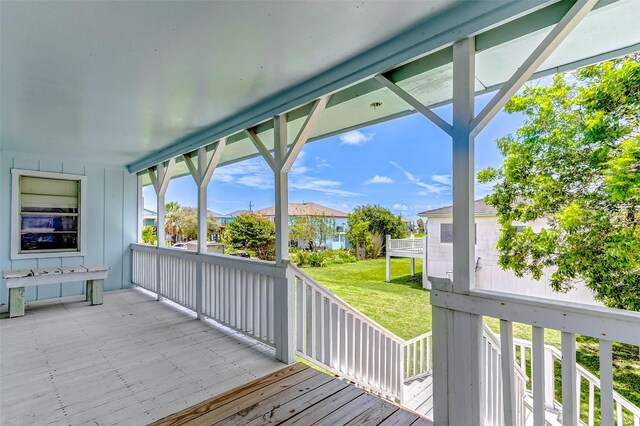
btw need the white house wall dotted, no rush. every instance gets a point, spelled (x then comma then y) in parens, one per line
(489, 275)
(111, 223)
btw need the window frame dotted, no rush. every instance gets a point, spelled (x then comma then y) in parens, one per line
(475, 236)
(16, 253)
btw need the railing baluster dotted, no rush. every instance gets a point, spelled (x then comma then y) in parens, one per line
(308, 297)
(300, 324)
(508, 380)
(591, 418)
(319, 324)
(569, 391)
(538, 375)
(327, 343)
(606, 382)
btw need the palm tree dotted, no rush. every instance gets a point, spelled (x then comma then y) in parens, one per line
(172, 220)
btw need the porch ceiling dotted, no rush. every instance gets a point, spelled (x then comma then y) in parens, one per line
(136, 82)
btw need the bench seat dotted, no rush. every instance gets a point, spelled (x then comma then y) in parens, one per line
(18, 279)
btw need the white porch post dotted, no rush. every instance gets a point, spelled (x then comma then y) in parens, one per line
(160, 181)
(283, 291)
(457, 376)
(140, 210)
(202, 174)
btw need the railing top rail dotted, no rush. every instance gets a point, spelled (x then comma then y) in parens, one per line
(329, 294)
(251, 265)
(602, 323)
(418, 338)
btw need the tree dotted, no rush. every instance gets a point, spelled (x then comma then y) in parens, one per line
(252, 232)
(148, 237)
(380, 222)
(420, 224)
(313, 229)
(189, 224)
(172, 224)
(575, 164)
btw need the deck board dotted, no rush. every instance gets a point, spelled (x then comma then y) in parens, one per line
(296, 395)
(132, 361)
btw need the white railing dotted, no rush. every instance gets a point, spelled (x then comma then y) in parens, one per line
(417, 357)
(623, 407)
(236, 292)
(333, 334)
(493, 385)
(405, 245)
(607, 325)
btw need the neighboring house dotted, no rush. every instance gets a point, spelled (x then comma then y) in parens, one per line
(315, 209)
(489, 275)
(150, 218)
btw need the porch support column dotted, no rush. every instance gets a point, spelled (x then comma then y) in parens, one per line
(457, 335)
(202, 174)
(160, 179)
(281, 163)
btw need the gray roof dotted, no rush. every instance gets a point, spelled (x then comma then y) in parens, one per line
(481, 208)
(306, 209)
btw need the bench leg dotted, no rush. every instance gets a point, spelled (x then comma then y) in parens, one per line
(16, 302)
(95, 288)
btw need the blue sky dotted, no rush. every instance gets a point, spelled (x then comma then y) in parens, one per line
(403, 165)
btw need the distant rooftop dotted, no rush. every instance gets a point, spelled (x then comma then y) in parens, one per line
(237, 213)
(481, 208)
(306, 209)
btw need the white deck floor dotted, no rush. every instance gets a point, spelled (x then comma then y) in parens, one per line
(130, 361)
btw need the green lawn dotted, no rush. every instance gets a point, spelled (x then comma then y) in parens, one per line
(402, 307)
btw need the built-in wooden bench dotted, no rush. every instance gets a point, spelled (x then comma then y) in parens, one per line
(18, 279)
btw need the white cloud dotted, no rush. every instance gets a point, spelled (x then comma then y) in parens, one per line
(378, 179)
(428, 188)
(401, 207)
(325, 186)
(443, 179)
(355, 137)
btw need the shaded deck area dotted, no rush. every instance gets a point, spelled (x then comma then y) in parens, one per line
(130, 361)
(295, 395)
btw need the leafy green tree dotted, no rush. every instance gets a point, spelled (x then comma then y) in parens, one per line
(380, 222)
(420, 224)
(252, 232)
(148, 236)
(575, 164)
(172, 206)
(189, 224)
(173, 223)
(313, 229)
(358, 233)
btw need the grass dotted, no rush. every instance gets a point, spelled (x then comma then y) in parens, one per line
(402, 307)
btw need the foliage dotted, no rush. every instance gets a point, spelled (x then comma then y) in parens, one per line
(379, 222)
(322, 258)
(313, 229)
(575, 163)
(148, 237)
(420, 224)
(358, 233)
(189, 224)
(172, 206)
(252, 232)
(182, 222)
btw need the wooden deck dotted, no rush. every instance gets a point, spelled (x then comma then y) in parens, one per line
(295, 395)
(418, 396)
(130, 361)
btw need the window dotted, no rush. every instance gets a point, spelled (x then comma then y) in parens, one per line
(446, 233)
(48, 214)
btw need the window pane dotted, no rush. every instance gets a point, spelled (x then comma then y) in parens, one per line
(39, 241)
(31, 223)
(48, 195)
(446, 232)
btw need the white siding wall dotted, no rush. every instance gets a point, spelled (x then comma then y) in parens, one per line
(111, 223)
(490, 275)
